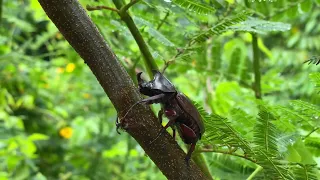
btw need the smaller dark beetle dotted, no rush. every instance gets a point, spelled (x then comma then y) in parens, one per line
(177, 107)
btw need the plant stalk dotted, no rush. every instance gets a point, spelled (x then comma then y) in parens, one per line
(148, 59)
(255, 172)
(256, 67)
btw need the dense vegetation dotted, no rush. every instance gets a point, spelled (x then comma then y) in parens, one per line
(241, 62)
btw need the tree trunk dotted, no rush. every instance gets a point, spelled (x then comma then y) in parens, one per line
(78, 29)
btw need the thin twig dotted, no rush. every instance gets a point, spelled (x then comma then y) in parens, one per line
(160, 24)
(167, 63)
(314, 130)
(227, 152)
(127, 6)
(94, 8)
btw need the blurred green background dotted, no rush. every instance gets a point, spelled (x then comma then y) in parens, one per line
(56, 122)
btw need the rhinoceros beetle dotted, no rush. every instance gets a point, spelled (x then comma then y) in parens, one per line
(177, 107)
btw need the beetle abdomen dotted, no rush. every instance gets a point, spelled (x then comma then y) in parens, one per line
(185, 126)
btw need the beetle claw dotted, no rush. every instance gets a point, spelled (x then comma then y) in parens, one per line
(118, 125)
(187, 159)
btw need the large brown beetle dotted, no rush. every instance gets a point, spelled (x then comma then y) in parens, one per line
(177, 107)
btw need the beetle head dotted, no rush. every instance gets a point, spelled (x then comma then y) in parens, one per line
(158, 85)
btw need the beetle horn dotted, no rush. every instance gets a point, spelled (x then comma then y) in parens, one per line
(140, 80)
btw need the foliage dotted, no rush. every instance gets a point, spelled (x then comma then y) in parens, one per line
(194, 6)
(57, 123)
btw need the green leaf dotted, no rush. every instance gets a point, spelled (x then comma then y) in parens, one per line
(260, 26)
(37, 137)
(153, 32)
(306, 6)
(216, 56)
(308, 172)
(293, 155)
(160, 37)
(315, 78)
(306, 156)
(219, 131)
(265, 134)
(236, 53)
(22, 172)
(234, 61)
(194, 6)
(39, 176)
(227, 167)
(4, 176)
(221, 27)
(23, 25)
(313, 145)
(309, 110)
(28, 148)
(299, 114)
(266, 137)
(292, 12)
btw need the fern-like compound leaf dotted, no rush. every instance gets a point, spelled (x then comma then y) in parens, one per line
(221, 27)
(266, 147)
(260, 26)
(194, 6)
(220, 132)
(314, 60)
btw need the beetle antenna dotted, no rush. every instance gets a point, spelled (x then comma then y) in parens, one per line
(129, 110)
(160, 133)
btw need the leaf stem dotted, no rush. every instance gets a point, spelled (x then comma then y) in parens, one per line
(167, 63)
(227, 152)
(256, 67)
(314, 130)
(255, 172)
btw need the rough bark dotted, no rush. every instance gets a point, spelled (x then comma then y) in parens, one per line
(78, 29)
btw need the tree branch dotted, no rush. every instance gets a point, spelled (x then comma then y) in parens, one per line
(148, 59)
(93, 8)
(78, 29)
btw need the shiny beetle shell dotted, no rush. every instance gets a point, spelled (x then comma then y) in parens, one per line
(187, 106)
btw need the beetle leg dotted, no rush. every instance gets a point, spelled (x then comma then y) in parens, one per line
(149, 100)
(171, 122)
(160, 114)
(153, 99)
(188, 156)
(173, 132)
(189, 137)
